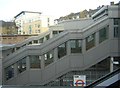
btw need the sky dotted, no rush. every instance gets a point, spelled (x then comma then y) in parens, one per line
(56, 8)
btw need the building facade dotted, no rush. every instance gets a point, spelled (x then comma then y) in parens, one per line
(7, 28)
(32, 22)
(85, 14)
(46, 61)
(14, 39)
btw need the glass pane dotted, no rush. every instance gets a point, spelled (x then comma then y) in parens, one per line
(21, 65)
(79, 46)
(41, 40)
(47, 37)
(72, 43)
(90, 41)
(55, 33)
(48, 58)
(116, 32)
(9, 72)
(36, 41)
(116, 21)
(35, 62)
(75, 46)
(103, 34)
(62, 50)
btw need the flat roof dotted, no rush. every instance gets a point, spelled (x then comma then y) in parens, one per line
(26, 12)
(18, 35)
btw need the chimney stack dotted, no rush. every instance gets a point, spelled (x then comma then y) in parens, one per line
(111, 3)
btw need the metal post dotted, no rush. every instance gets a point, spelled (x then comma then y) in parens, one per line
(111, 64)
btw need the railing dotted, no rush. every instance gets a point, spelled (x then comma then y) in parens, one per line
(103, 78)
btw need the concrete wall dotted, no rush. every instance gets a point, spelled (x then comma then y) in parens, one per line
(66, 63)
(76, 24)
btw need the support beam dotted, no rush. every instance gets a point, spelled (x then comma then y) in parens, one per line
(111, 64)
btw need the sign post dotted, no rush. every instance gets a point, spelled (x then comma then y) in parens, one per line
(79, 80)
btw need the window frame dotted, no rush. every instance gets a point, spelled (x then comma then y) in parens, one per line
(62, 52)
(35, 62)
(77, 46)
(90, 43)
(103, 34)
(20, 65)
(11, 67)
(48, 59)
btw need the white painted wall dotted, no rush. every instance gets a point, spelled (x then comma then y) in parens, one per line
(44, 20)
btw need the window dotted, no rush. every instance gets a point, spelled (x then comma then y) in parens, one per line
(103, 34)
(36, 31)
(116, 21)
(23, 32)
(35, 62)
(13, 50)
(116, 32)
(25, 38)
(48, 58)
(55, 33)
(17, 48)
(38, 25)
(35, 25)
(48, 24)
(14, 38)
(21, 65)
(47, 37)
(4, 38)
(30, 43)
(30, 29)
(76, 46)
(48, 20)
(9, 72)
(62, 50)
(60, 31)
(30, 21)
(39, 31)
(35, 41)
(41, 40)
(9, 38)
(90, 41)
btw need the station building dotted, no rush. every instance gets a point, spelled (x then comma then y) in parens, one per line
(88, 47)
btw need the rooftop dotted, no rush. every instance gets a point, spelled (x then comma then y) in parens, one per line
(26, 12)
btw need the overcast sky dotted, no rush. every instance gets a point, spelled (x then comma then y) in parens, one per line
(57, 8)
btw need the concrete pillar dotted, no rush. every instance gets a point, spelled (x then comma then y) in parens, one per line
(15, 49)
(83, 46)
(51, 34)
(55, 54)
(111, 64)
(96, 38)
(42, 62)
(44, 39)
(68, 48)
(39, 42)
(27, 63)
(32, 41)
(15, 70)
